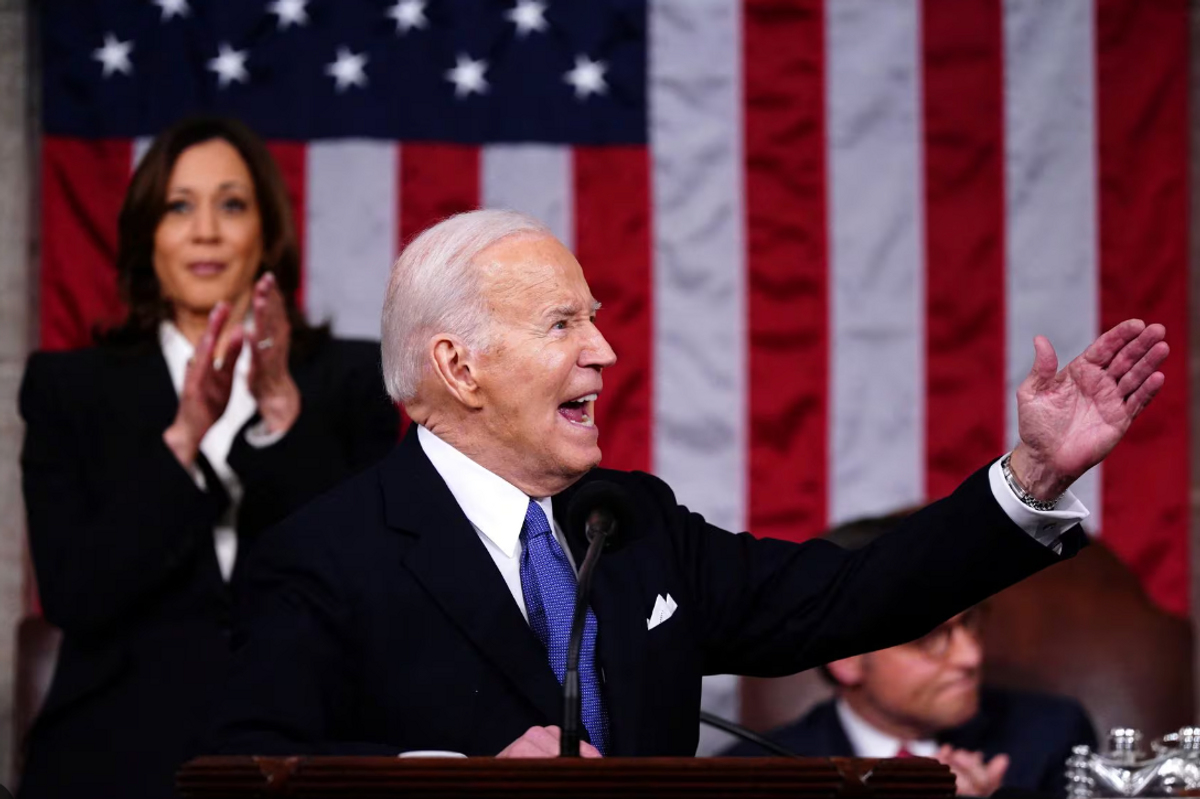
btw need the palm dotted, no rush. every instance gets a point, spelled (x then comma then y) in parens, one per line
(1071, 420)
(208, 382)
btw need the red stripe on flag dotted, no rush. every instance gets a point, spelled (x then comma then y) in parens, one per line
(784, 46)
(964, 216)
(1142, 133)
(613, 242)
(83, 186)
(436, 181)
(292, 158)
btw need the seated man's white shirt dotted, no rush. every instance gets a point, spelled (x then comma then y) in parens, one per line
(217, 442)
(493, 506)
(868, 741)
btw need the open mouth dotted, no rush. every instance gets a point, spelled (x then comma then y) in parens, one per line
(580, 411)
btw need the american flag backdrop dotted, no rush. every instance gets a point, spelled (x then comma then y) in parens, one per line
(824, 231)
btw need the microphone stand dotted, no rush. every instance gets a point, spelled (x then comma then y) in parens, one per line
(725, 725)
(569, 743)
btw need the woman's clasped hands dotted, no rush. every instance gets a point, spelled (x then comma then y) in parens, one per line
(208, 381)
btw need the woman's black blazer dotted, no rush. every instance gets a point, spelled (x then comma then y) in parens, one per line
(122, 544)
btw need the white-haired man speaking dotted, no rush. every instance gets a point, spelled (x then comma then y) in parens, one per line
(425, 604)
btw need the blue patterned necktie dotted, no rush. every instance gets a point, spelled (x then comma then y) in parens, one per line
(548, 583)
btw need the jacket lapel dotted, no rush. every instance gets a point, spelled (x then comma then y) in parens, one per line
(453, 566)
(836, 742)
(617, 591)
(139, 394)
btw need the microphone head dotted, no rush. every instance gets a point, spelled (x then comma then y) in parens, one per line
(610, 503)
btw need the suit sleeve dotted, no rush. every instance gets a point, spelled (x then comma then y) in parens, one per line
(291, 681)
(101, 552)
(768, 607)
(347, 425)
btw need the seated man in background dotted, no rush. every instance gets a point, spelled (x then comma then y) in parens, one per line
(925, 699)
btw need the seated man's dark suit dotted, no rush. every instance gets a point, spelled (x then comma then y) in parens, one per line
(1036, 731)
(375, 621)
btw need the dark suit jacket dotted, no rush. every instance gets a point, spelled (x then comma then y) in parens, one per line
(1036, 731)
(123, 548)
(375, 620)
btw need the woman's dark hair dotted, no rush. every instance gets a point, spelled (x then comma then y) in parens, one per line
(146, 203)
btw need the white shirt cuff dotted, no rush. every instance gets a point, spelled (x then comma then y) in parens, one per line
(260, 437)
(1046, 526)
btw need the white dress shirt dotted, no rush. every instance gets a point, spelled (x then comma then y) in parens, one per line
(1045, 526)
(493, 506)
(868, 741)
(217, 442)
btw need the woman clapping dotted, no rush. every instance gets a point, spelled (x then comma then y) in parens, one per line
(153, 459)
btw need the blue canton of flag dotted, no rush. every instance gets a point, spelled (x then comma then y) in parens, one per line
(462, 71)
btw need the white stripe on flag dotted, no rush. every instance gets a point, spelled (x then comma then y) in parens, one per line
(699, 274)
(140, 146)
(699, 256)
(877, 339)
(1050, 179)
(537, 179)
(353, 210)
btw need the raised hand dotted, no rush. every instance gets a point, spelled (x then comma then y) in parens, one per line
(1070, 420)
(973, 776)
(206, 387)
(271, 383)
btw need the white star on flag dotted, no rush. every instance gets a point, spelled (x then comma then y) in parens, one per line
(290, 12)
(528, 16)
(467, 76)
(114, 55)
(230, 65)
(349, 69)
(408, 14)
(587, 77)
(172, 8)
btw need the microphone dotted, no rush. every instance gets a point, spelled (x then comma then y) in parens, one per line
(603, 510)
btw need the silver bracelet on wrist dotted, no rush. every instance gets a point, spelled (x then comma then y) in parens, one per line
(1028, 499)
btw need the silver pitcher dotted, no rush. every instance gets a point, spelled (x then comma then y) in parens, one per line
(1125, 768)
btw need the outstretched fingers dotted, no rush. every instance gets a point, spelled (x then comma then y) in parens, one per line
(1145, 366)
(1104, 349)
(216, 323)
(264, 309)
(233, 348)
(1133, 353)
(1139, 399)
(201, 362)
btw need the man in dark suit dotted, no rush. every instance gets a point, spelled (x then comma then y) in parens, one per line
(425, 604)
(925, 698)
(1015, 740)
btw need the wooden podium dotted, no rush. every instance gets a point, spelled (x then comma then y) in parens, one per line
(626, 778)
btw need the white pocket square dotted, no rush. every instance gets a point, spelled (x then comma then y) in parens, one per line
(663, 609)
